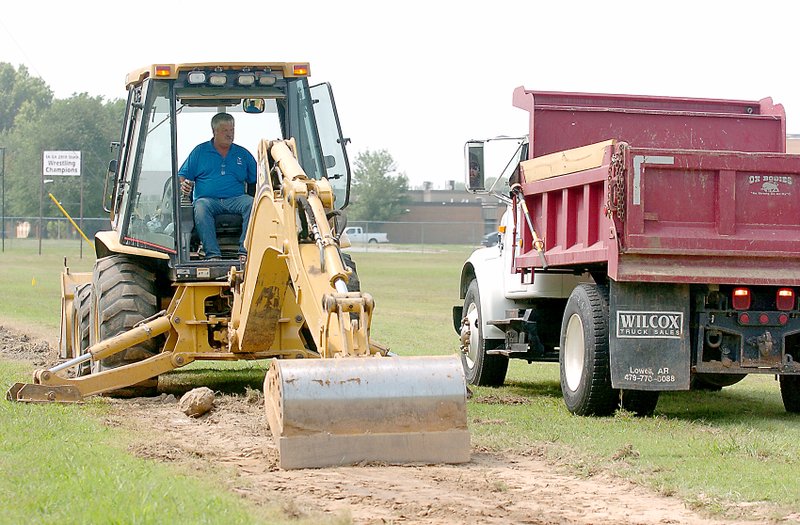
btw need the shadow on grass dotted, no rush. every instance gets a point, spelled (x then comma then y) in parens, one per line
(730, 406)
(725, 407)
(225, 381)
(534, 388)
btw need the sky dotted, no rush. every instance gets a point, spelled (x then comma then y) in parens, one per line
(420, 78)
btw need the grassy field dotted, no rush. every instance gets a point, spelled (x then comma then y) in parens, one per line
(718, 451)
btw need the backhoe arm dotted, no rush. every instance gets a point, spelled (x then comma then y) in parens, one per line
(294, 284)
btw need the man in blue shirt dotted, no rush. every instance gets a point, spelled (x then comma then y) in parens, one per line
(218, 170)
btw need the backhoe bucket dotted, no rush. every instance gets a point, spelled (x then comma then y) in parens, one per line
(328, 412)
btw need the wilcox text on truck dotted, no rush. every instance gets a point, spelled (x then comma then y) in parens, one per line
(649, 244)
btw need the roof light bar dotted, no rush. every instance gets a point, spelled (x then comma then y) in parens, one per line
(217, 79)
(196, 77)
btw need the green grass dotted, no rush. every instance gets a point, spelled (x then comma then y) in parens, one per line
(717, 451)
(414, 295)
(60, 464)
(30, 284)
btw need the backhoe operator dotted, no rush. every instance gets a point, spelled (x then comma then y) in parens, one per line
(218, 170)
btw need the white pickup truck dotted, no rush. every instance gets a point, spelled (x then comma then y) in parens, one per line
(356, 234)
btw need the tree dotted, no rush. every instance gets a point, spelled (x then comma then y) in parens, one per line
(20, 95)
(79, 123)
(378, 194)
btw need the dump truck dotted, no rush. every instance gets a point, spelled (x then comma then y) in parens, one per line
(649, 244)
(154, 303)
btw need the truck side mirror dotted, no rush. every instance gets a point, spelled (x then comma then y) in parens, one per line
(474, 178)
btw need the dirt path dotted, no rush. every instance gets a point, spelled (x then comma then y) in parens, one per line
(490, 489)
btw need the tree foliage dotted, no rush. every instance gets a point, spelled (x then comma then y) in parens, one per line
(79, 123)
(21, 95)
(378, 192)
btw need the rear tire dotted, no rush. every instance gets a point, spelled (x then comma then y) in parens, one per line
(479, 368)
(790, 392)
(584, 354)
(81, 311)
(124, 295)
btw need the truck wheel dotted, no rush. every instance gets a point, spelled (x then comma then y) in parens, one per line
(124, 295)
(641, 402)
(479, 368)
(584, 355)
(790, 392)
(81, 310)
(373, 241)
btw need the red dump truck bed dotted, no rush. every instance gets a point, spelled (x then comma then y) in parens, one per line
(680, 190)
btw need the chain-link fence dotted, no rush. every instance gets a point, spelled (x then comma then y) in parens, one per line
(469, 233)
(416, 233)
(51, 227)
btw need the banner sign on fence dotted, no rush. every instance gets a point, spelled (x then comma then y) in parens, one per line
(61, 163)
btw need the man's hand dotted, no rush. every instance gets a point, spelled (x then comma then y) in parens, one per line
(186, 187)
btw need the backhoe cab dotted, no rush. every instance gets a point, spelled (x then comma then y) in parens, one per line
(169, 112)
(153, 304)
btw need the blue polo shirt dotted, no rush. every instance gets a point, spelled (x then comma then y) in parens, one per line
(215, 176)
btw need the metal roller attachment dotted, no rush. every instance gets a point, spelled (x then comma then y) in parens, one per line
(326, 412)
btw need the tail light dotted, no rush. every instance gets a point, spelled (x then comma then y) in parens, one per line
(785, 299)
(741, 298)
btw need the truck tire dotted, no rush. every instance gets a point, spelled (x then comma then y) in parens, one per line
(641, 403)
(81, 310)
(479, 368)
(124, 294)
(584, 355)
(373, 241)
(790, 393)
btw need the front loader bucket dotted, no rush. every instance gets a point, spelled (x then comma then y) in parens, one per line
(328, 412)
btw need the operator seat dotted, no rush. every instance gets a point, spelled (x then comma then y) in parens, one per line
(229, 229)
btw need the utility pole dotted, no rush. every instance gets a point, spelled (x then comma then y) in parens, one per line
(3, 167)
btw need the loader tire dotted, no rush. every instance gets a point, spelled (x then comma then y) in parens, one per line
(354, 284)
(584, 354)
(790, 393)
(480, 368)
(81, 311)
(124, 294)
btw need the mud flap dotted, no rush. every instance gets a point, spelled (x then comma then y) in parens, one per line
(649, 336)
(327, 412)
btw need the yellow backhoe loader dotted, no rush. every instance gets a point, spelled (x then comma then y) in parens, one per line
(153, 303)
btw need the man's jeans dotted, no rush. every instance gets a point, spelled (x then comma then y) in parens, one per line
(206, 208)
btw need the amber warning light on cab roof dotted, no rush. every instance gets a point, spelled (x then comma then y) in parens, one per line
(163, 71)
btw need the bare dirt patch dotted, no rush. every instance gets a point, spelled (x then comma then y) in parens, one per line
(491, 489)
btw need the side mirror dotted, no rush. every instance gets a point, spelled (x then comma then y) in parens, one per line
(111, 174)
(253, 105)
(474, 177)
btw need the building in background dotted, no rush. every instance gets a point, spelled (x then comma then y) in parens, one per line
(792, 143)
